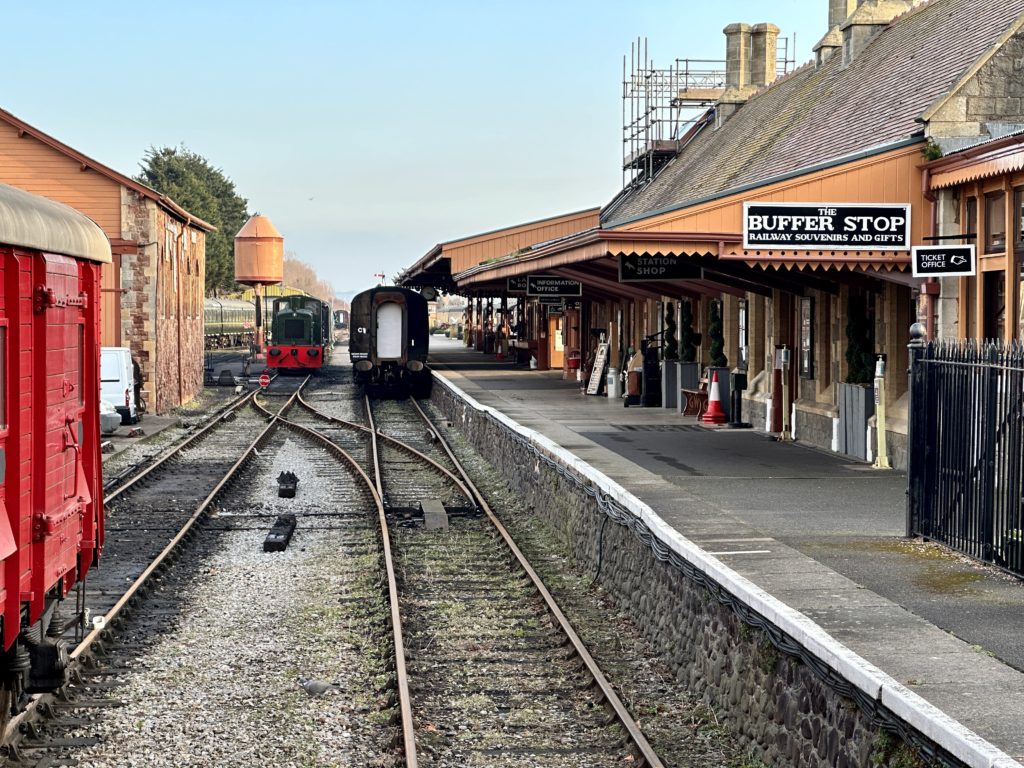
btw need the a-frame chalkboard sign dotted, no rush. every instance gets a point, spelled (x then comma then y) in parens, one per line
(597, 374)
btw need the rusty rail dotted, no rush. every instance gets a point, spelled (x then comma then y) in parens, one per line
(645, 753)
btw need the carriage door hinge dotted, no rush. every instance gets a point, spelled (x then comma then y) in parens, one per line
(47, 297)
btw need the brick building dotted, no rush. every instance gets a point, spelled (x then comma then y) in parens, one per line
(893, 83)
(153, 291)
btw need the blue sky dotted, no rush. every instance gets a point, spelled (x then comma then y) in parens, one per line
(366, 131)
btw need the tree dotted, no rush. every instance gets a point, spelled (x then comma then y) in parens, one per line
(299, 274)
(716, 337)
(206, 192)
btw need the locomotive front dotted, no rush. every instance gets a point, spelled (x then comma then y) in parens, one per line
(389, 342)
(297, 334)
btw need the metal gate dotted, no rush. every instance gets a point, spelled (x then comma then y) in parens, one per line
(965, 460)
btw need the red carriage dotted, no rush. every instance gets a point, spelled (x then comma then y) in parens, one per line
(51, 504)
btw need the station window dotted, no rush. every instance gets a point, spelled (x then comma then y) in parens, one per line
(1018, 218)
(971, 216)
(995, 305)
(995, 223)
(807, 338)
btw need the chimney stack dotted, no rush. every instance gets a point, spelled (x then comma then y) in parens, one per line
(737, 56)
(838, 12)
(763, 54)
(867, 20)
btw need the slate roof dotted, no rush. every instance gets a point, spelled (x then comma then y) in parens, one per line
(814, 115)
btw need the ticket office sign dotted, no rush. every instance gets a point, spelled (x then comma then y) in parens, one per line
(943, 261)
(552, 285)
(826, 226)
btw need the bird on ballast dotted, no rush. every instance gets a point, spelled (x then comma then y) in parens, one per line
(316, 687)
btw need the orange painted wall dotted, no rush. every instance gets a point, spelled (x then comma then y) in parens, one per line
(894, 177)
(31, 165)
(470, 251)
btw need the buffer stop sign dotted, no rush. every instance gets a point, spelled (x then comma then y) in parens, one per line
(264, 380)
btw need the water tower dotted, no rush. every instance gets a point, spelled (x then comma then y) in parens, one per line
(259, 261)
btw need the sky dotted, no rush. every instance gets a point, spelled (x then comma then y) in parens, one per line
(366, 131)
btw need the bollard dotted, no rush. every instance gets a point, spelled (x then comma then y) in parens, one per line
(738, 385)
(881, 454)
(786, 435)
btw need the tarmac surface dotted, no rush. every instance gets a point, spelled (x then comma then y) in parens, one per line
(821, 532)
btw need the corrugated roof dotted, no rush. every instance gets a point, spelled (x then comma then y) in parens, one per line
(814, 115)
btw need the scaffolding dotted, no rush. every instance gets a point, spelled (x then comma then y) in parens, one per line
(661, 106)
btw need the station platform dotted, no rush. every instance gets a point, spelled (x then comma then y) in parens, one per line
(818, 531)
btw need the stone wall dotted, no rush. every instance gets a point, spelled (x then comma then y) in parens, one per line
(785, 706)
(138, 285)
(162, 307)
(994, 94)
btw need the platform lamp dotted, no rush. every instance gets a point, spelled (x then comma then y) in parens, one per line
(259, 261)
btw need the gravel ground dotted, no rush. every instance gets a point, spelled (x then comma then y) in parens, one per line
(220, 689)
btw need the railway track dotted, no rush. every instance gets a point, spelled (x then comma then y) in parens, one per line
(475, 615)
(148, 517)
(446, 650)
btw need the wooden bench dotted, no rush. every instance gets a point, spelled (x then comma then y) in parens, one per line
(696, 400)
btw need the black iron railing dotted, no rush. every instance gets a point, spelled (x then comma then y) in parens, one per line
(965, 460)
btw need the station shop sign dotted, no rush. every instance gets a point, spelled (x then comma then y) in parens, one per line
(826, 226)
(943, 261)
(644, 267)
(516, 284)
(552, 285)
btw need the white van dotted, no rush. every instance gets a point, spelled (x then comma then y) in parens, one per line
(117, 382)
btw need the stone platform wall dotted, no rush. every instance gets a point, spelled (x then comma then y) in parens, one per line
(781, 699)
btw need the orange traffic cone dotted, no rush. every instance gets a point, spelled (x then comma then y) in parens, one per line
(714, 414)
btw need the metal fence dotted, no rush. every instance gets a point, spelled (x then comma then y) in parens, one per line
(965, 459)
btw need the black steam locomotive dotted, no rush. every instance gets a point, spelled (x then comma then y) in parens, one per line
(389, 342)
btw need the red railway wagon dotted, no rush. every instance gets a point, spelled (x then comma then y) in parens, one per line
(51, 501)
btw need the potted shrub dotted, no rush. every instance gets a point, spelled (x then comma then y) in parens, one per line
(718, 361)
(689, 341)
(670, 360)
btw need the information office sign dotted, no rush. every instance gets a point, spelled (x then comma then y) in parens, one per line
(826, 226)
(516, 284)
(643, 267)
(943, 261)
(552, 285)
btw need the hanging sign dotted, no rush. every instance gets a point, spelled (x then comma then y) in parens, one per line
(943, 261)
(552, 285)
(642, 267)
(826, 226)
(516, 284)
(551, 301)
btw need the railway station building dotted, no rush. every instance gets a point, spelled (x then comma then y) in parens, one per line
(153, 291)
(784, 215)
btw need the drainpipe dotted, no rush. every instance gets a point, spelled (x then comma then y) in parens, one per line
(931, 287)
